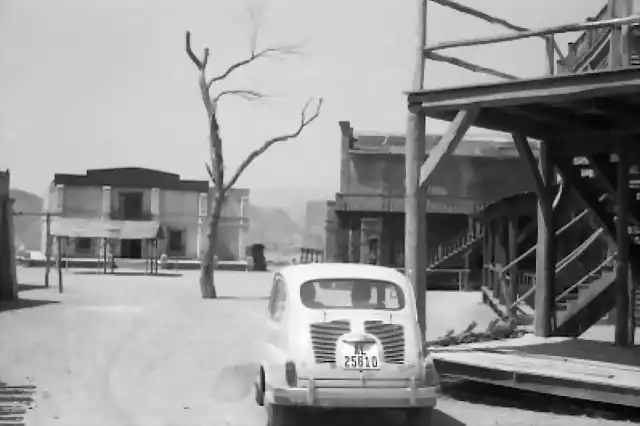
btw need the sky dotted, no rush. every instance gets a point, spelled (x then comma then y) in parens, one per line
(93, 84)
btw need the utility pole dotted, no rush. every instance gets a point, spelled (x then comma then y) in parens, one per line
(415, 245)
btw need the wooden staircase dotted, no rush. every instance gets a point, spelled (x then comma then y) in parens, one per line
(458, 245)
(591, 298)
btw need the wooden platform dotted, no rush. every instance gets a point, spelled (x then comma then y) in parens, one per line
(577, 368)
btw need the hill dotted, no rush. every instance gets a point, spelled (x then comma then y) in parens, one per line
(274, 228)
(27, 229)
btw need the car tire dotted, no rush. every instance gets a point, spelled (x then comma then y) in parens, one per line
(280, 415)
(418, 416)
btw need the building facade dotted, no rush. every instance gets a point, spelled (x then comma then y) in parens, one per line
(370, 204)
(138, 196)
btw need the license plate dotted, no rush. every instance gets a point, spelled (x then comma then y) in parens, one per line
(360, 356)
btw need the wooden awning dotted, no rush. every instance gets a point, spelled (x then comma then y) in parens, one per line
(579, 108)
(75, 227)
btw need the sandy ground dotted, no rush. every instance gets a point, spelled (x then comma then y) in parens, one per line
(138, 351)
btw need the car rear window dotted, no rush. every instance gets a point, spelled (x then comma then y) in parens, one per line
(352, 294)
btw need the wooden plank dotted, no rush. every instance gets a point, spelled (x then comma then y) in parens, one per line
(469, 66)
(623, 337)
(546, 249)
(491, 19)
(447, 145)
(530, 163)
(551, 89)
(560, 29)
(513, 254)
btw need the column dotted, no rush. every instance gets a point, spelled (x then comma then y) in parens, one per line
(155, 203)
(106, 202)
(546, 250)
(624, 285)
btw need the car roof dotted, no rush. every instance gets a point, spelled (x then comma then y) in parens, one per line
(296, 275)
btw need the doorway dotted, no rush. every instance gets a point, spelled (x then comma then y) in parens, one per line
(131, 249)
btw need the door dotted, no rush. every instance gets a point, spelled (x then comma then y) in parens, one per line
(131, 249)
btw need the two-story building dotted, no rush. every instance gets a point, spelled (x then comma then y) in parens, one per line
(365, 223)
(130, 205)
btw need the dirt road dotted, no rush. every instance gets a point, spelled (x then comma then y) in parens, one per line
(138, 351)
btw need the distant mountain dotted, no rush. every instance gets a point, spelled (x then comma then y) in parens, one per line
(274, 228)
(292, 200)
(27, 229)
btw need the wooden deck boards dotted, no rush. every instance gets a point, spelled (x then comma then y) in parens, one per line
(578, 368)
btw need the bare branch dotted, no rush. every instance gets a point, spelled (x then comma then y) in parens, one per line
(304, 122)
(249, 95)
(281, 50)
(192, 55)
(210, 172)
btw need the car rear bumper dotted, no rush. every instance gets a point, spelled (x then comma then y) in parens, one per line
(355, 397)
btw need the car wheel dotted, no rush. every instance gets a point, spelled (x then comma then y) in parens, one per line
(280, 415)
(418, 416)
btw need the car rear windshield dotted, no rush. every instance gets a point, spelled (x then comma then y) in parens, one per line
(352, 294)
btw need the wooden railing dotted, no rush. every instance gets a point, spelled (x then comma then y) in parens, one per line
(457, 244)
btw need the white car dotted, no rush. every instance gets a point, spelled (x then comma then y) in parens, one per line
(343, 335)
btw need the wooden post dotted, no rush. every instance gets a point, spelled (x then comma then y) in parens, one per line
(59, 263)
(546, 251)
(47, 249)
(622, 327)
(485, 252)
(354, 239)
(491, 258)
(513, 254)
(415, 251)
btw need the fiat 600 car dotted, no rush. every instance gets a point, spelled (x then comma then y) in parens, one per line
(343, 335)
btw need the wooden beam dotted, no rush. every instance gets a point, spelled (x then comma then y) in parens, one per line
(548, 89)
(469, 66)
(415, 241)
(513, 273)
(622, 326)
(447, 145)
(546, 247)
(530, 162)
(560, 29)
(491, 19)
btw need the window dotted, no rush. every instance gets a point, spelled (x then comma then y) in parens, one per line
(352, 294)
(84, 244)
(278, 299)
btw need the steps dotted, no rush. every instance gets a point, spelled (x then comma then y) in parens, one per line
(458, 245)
(595, 180)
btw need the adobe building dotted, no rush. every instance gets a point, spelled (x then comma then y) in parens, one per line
(365, 222)
(137, 204)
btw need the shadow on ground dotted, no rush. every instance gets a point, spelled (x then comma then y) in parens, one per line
(27, 287)
(369, 417)
(14, 403)
(499, 396)
(24, 304)
(242, 298)
(129, 274)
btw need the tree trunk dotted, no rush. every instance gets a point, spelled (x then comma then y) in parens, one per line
(207, 284)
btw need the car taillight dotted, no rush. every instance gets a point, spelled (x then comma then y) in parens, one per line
(291, 374)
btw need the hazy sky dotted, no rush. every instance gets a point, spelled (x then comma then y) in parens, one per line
(94, 83)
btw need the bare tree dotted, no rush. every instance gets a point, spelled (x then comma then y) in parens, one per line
(211, 99)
